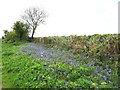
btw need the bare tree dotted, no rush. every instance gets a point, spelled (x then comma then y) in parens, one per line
(34, 16)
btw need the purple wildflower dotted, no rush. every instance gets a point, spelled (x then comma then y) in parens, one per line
(105, 78)
(105, 54)
(103, 71)
(63, 60)
(83, 57)
(38, 77)
(45, 55)
(48, 69)
(96, 71)
(110, 82)
(58, 59)
(90, 64)
(85, 64)
(74, 56)
(101, 76)
(74, 62)
(60, 73)
(110, 70)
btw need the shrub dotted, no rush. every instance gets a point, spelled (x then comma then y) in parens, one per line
(11, 36)
(21, 29)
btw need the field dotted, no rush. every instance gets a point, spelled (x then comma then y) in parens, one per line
(61, 62)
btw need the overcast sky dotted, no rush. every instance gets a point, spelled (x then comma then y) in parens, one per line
(66, 17)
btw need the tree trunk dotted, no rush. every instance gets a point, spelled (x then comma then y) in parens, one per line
(33, 33)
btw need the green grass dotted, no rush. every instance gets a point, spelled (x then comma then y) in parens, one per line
(10, 58)
(7, 51)
(21, 70)
(0, 63)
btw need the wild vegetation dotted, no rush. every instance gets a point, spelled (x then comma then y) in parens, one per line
(62, 62)
(59, 61)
